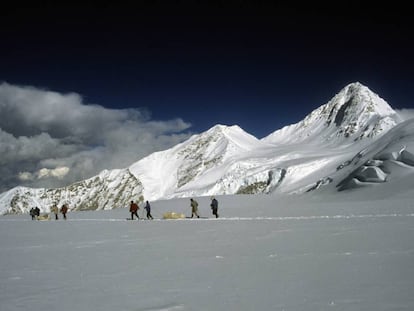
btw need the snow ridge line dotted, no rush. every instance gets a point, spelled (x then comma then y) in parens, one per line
(279, 218)
(352, 216)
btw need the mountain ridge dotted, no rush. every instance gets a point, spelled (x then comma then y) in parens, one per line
(324, 150)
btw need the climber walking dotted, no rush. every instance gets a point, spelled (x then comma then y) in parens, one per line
(194, 208)
(133, 208)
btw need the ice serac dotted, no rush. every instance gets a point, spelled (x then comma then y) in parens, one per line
(386, 160)
(355, 113)
(165, 173)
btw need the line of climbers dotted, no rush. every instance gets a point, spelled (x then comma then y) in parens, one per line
(133, 209)
(35, 212)
(213, 205)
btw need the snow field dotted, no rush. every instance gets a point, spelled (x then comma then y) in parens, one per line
(294, 253)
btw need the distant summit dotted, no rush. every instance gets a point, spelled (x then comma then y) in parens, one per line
(165, 172)
(353, 114)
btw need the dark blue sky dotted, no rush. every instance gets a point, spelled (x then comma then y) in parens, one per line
(258, 66)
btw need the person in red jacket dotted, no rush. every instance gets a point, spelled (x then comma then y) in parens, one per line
(133, 208)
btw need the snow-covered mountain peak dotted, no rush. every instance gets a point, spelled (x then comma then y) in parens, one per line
(352, 114)
(232, 135)
(172, 169)
(356, 99)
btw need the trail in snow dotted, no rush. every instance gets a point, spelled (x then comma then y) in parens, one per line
(281, 218)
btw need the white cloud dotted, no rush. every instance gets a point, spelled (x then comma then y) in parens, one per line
(24, 176)
(58, 172)
(406, 113)
(46, 131)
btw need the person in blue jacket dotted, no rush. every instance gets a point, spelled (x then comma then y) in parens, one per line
(214, 206)
(148, 209)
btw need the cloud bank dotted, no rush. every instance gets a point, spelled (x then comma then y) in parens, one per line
(405, 114)
(48, 139)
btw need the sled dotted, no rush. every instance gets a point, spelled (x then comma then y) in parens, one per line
(43, 217)
(172, 215)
